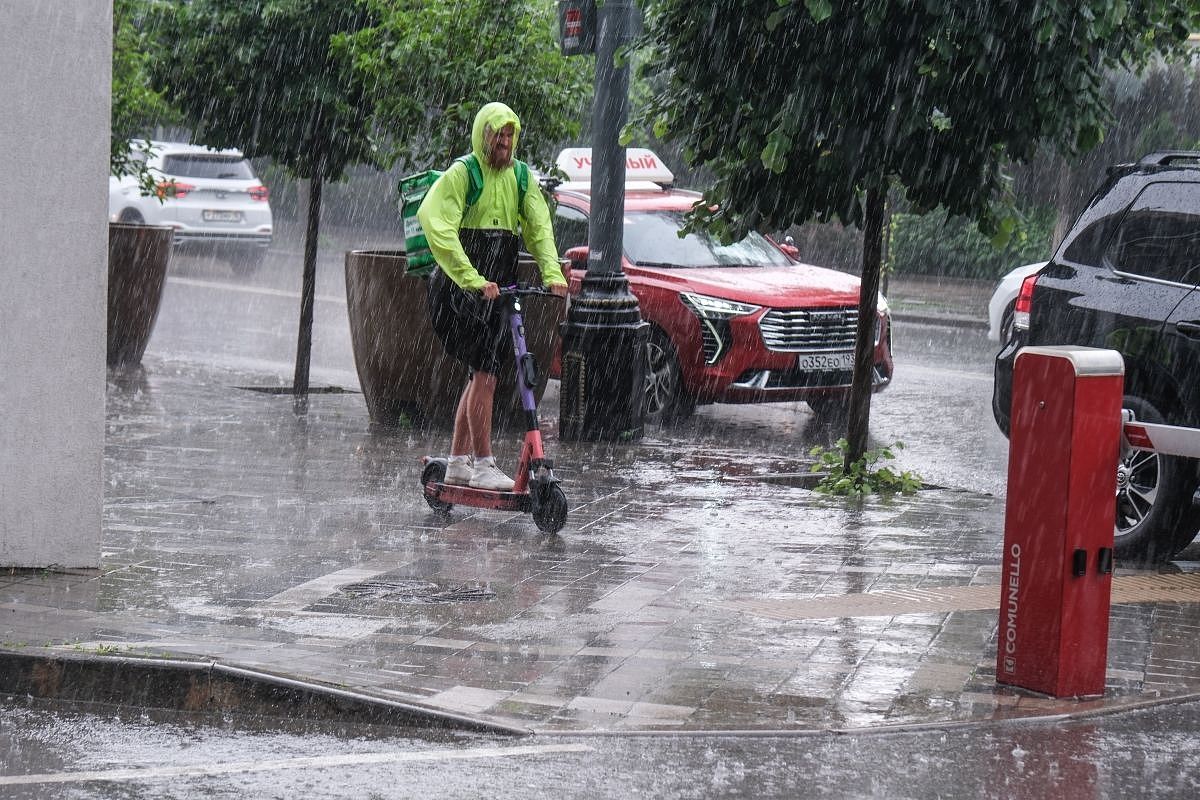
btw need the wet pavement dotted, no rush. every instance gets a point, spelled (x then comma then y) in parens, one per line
(699, 585)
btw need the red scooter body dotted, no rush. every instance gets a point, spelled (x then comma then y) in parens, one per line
(516, 500)
(535, 491)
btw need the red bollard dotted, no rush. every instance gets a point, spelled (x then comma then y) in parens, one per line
(1056, 581)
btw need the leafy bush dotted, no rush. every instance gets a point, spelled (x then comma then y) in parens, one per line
(936, 244)
(862, 477)
(136, 107)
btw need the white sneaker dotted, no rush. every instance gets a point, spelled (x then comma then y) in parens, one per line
(459, 471)
(488, 476)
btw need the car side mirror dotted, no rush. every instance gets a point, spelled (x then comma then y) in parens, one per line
(788, 246)
(577, 257)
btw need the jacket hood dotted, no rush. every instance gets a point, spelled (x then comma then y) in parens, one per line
(495, 116)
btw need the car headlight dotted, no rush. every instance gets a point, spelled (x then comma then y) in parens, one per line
(716, 308)
(714, 314)
(882, 306)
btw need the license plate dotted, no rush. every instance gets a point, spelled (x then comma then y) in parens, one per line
(222, 216)
(827, 362)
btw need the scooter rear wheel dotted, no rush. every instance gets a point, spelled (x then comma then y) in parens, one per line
(434, 472)
(551, 513)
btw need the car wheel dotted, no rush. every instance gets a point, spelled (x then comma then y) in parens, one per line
(830, 409)
(666, 399)
(1154, 500)
(1006, 323)
(131, 216)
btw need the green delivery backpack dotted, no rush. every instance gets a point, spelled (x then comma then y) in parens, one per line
(412, 192)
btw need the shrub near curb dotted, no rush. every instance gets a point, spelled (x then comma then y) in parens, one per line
(862, 477)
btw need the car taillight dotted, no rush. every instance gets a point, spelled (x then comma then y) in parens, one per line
(1024, 303)
(173, 189)
(260, 193)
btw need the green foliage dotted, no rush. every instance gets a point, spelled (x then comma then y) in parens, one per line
(862, 476)
(432, 66)
(259, 75)
(798, 106)
(1155, 109)
(136, 107)
(938, 244)
(807, 110)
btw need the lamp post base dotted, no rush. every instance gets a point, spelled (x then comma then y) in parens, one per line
(603, 390)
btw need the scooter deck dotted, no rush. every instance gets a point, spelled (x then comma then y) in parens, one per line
(478, 498)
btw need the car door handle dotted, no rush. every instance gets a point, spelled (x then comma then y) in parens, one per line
(1189, 328)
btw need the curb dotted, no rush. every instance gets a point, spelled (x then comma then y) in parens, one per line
(1132, 706)
(933, 319)
(209, 688)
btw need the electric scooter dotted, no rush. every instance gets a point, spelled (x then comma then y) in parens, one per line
(536, 490)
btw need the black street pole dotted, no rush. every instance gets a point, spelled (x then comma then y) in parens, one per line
(604, 338)
(307, 297)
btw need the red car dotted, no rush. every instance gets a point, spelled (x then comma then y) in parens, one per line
(742, 323)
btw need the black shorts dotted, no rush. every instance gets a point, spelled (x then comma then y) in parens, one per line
(474, 330)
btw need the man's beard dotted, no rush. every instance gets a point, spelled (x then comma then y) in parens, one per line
(495, 163)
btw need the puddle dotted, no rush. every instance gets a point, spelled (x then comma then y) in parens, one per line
(375, 594)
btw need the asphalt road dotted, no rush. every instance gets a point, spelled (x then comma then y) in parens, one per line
(1140, 754)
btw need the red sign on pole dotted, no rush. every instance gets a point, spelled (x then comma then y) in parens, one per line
(577, 26)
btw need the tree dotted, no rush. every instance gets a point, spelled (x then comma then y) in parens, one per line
(259, 75)
(432, 66)
(135, 105)
(1158, 109)
(814, 108)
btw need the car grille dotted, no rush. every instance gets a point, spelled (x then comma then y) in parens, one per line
(802, 330)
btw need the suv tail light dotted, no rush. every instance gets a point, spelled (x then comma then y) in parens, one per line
(1024, 303)
(172, 189)
(260, 193)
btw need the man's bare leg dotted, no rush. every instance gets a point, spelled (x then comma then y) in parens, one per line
(460, 443)
(479, 398)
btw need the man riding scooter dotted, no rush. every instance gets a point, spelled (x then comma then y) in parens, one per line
(471, 216)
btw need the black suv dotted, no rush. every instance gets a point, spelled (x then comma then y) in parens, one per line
(1126, 278)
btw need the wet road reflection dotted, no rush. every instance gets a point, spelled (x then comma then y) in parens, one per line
(1136, 754)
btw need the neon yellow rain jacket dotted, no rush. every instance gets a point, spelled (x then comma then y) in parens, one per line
(442, 211)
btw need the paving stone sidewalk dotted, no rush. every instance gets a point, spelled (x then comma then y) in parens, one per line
(692, 589)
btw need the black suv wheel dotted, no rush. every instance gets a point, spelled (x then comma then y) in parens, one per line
(1155, 518)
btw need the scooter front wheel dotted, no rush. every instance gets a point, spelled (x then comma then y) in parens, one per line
(551, 512)
(434, 472)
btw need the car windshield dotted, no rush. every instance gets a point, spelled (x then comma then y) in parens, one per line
(207, 166)
(652, 239)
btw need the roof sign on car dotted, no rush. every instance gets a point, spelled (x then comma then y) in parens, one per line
(643, 169)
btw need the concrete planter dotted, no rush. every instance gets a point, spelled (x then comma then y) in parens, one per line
(137, 271)
(401, 365)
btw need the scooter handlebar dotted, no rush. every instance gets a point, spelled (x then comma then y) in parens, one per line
(526, 290)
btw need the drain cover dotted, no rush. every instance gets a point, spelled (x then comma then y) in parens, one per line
(381, 589)
(414, 591)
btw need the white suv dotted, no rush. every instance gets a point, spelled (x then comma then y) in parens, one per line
(211, 198)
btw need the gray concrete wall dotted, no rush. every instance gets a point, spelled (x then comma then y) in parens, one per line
(55, 61)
